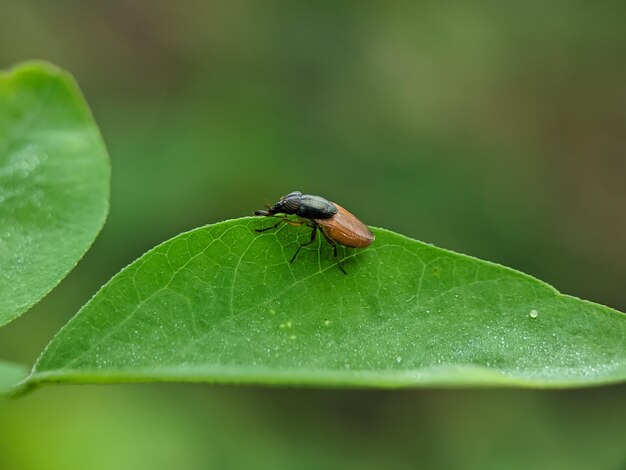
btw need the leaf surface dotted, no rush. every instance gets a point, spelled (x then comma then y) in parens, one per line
(54, 183)
(222, 304)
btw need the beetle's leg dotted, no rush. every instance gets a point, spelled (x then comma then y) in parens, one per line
(281, 221)
(313, 234)
(295, 223)
(334, 245)
(272, 227)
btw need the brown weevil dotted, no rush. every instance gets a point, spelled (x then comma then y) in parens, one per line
(337, 225)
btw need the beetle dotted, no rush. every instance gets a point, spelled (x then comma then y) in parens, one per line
(337, 225)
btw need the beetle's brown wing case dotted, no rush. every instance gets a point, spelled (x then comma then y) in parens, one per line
(345, 229)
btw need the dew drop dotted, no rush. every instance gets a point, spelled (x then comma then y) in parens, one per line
(398, 359)
(533, 313)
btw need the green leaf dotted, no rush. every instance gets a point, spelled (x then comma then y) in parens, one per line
(54, 183)
(222, 304)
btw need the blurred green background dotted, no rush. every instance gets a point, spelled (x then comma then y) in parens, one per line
(493, 129)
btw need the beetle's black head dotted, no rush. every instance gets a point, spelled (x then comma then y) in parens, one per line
(288, 204)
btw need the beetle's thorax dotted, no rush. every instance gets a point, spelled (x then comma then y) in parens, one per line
(316, 207)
